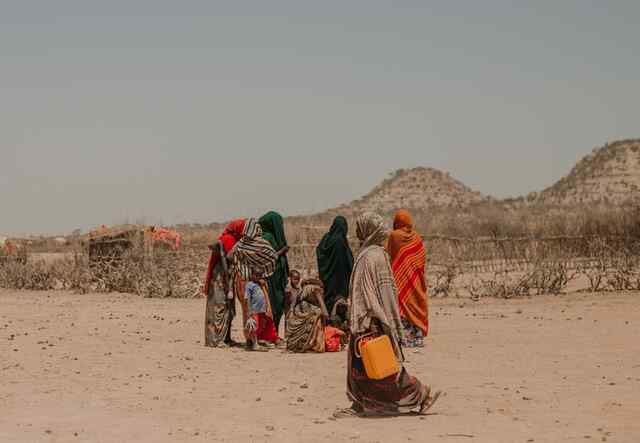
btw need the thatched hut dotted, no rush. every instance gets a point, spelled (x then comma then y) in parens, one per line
(111, 244)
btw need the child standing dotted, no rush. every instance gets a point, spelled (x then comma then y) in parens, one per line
(292, 292)
(259, 325)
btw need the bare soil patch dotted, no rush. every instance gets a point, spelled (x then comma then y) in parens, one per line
(112, 368)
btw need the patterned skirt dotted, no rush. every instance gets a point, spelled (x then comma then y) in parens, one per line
(413, 336)
(304, 328)
(218, 317)
(394, 395)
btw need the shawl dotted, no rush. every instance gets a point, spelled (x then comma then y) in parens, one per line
(408, 258)
(371, 230)
(335, 260)
(304, 326)
(230, 236)
(373, 293)
(213, 261)
(254, 252)
(273, 232)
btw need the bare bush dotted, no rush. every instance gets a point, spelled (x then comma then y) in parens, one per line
(161, 274)
(490, 250)
(552, 277)
(444, 282)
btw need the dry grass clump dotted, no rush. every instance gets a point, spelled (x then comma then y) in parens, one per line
(490, 250)
(161, 274)
(525, 267)
(66, 273)
(496, 251)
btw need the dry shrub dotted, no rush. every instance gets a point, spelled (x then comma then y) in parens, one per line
(489, 250)
(624, 272)
(160, 274)
(444, 278)
(64, 274)
(173, 274)
(501, 284)
(552, 277)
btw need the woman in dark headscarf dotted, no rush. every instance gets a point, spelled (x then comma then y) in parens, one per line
(374, 310)
(335, 262)
(273, 231)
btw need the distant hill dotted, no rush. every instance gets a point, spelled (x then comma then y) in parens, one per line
(418, 189)
(610, 175)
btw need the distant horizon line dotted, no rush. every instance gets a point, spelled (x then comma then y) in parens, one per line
(148, 220)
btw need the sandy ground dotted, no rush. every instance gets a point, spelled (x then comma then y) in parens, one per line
(114, 368)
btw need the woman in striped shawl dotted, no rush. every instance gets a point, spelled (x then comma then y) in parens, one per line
(251, 253)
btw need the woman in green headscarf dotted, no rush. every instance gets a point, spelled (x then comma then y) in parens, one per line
(335, 262)
(273, 231)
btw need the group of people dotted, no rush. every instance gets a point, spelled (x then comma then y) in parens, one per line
(248, 263)
(382, 291)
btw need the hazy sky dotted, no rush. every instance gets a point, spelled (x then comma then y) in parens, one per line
(173, 111)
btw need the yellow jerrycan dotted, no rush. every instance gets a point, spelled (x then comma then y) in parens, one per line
(378, 357)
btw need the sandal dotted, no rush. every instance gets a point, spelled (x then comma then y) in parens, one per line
(430, 401)
(346, 413)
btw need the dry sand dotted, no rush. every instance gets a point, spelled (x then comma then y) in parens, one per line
(118, 368)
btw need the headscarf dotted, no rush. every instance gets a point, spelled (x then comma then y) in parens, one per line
(371, 230)
(252, 229)
(373, 293)
(408, 258)
(273, 231)
(402, 233)
(232, 234)
(335, 261)
(254, 252)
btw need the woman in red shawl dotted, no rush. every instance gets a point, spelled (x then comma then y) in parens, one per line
(408, 258)
(218, 282)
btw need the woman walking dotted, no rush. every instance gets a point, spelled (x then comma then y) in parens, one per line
(408, 258)
(374, 311)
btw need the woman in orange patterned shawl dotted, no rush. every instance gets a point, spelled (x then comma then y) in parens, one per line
(408, 258)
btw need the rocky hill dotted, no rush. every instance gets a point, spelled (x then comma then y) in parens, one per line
(417, 189)
(610, 175)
